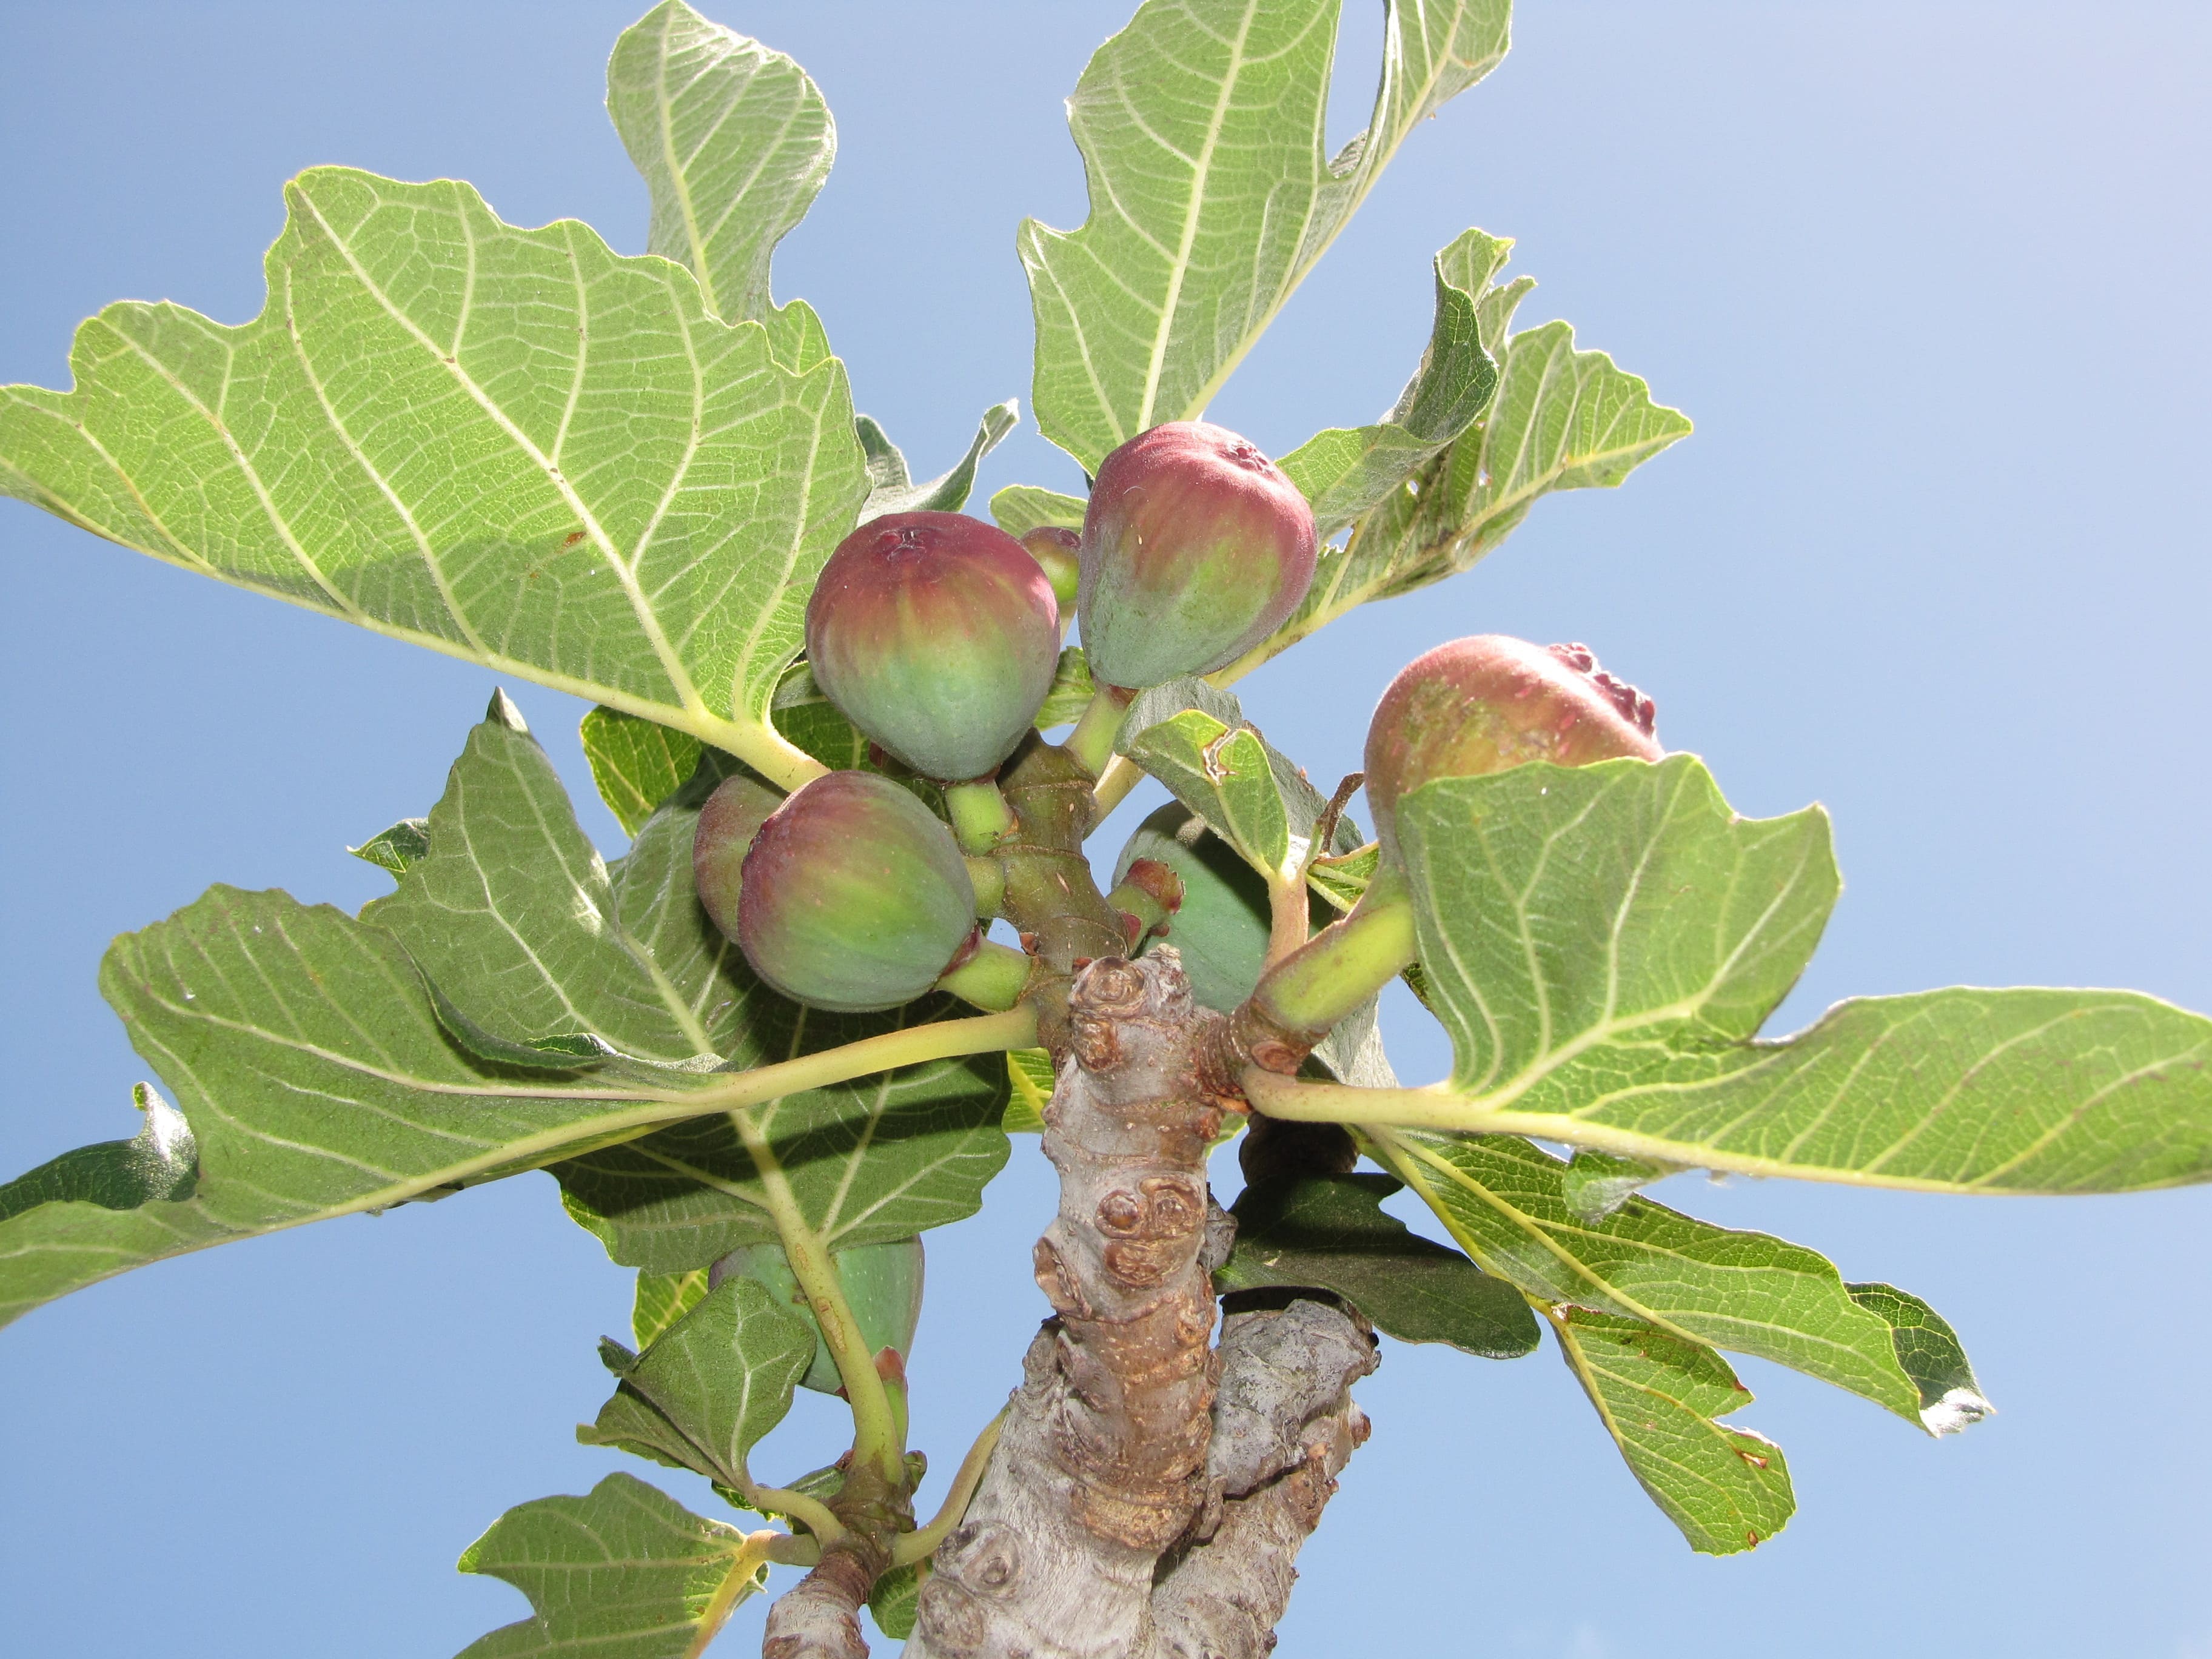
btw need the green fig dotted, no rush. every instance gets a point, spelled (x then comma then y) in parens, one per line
(1482, 704)
(1057, 553)
(1220, 926)
(854, 896)
(728, 821)
(882, 1285)
(1195, 548)
(938, 636)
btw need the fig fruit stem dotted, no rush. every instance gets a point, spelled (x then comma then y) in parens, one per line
(1306, 991)
(993, 978)
(1287, 915)
(1092, 740)
(922, 1542)
(989, 879)
(981, 818)
(877, 1441)
(1121, 777)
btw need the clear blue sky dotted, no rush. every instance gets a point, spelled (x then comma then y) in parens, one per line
(1930, 278)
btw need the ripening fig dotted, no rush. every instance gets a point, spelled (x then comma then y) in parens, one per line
(728, 820)
(1482, 704)
(854, 896)
(882, 1285)
(1195, 548)
(938, 636)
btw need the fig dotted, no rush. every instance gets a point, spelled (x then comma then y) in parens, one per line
(1056, 552)
(728, 821)
(938, 636)
(1195, 548)
(1221, 925)
(1482, 704)
(882, 1285)
(854, 896)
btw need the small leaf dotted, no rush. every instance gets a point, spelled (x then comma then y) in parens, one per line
(1345, 472)
(661, 1299)
(735, 142)
(1211, 196)
(888, 488)
(636, 763)
(625, 1571)
(704, 1392)
(1331, 1233)
(1029, 1073)
(1071, 694)
(1728, 1489)
(399, 848)
(1019, 508)
(892, 1603)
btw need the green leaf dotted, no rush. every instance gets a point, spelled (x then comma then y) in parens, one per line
(636, 763)
(1344, 471)
(1071, 691)
(1330, 1233)
(894, 1600)
(1029, 1073)
(1201, 126)
(160, 1162)
(1561, 419)
(1595, 1184)
(1019, 508)
(1927, 1348)
(1604, 942)
(704, 1392)
(1727, 1489)
(735, 142)
(891, 490)
(661, 1299)
(868, 1162)
(510, 445)
(1505, 1202)
(625, 1572)
(513, 916)
(406, 844)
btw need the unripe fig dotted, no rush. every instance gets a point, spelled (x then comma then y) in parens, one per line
(1055, 550)
(854, 896)
(728, 821)
(938, 636)
(882, 1285)
(1195, 548)
(1221, 925)
(1482, 704)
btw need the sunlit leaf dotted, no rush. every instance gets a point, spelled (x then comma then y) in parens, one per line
(636, 763)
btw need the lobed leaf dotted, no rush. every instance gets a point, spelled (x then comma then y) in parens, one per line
(511, 446)
(708, 1388)
(1659, 1397)
(1331, 1233)
(625, 1571)
(735, 142)
(404, 845)
(1345, 472)
(636, 763)
(1201, 126)
(889, 488)
(1603, 943)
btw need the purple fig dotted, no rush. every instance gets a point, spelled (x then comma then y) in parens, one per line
(854, 896)
(1195, 548)
(937, 635)
(728, 820)
(1482, 704)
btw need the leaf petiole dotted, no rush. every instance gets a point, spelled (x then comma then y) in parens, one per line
(912, 1546)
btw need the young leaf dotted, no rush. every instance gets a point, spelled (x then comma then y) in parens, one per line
(1560, 419)
(1029, 1073)
(705, 1391)
(1927, 1348)
(1344, 471)
(661, 1299)
(1071, 691)
(1019, 508)
(1603, 943)
(636, 763)
(735, 142)
(890, 489)
(1506, 1201)
(510, 445)
(1201, 126)
(1330, 1233)
(626, 1571)
(1658, 1396)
